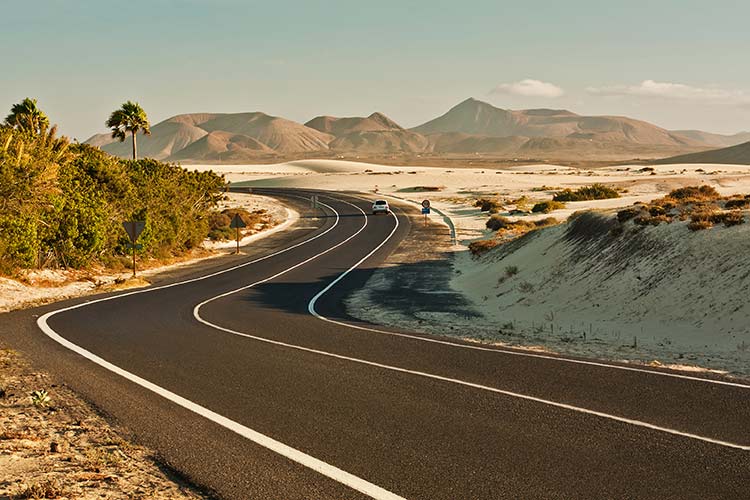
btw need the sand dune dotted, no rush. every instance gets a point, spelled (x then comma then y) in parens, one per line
(737, 155)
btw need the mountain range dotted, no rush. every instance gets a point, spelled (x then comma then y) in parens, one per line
(471, 127)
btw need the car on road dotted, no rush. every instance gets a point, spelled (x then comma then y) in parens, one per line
(380, 207)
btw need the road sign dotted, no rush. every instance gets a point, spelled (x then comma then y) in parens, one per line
(237, 222)
(426, 210)
(134, 229)
(426, 204)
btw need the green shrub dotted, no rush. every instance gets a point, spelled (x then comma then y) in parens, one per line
(593, 192)
(546, 207)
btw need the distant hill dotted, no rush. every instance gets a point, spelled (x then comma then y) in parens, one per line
(170, 138)
(716, 140)
(223, 146)
(469, 128)
(480, 118)
(344, 126)
(738, 155)
(381, 141)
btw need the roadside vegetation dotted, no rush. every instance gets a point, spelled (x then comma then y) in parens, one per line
(586, 193)
(702, 206)
(62, 205)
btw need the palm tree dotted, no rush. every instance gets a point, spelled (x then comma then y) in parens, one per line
(27, 116)
(129, 118)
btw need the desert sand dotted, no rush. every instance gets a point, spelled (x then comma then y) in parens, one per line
(565, 297)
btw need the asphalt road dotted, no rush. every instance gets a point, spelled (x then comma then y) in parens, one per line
(223, 369)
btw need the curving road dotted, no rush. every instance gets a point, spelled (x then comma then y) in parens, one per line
(249, 378)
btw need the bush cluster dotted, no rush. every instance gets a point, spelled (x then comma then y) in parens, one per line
(487, 205)
(218, 222)
(584, 193)
(63, 205)
(546, 207)
(692, 194)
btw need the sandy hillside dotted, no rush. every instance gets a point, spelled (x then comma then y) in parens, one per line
(739, 154)
(667, 292)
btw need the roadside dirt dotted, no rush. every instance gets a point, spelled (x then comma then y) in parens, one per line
(64, 449)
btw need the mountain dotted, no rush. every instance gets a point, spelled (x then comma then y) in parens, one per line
(715, 140)
(170, 137)
(480, 118)
(223, 146)
(166, 138)
(381, 141)
(469, 128)
(738, 155)
(344, 126)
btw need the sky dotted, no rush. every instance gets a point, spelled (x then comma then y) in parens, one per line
(678, 64)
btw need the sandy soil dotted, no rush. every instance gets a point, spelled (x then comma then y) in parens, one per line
(64, 449)
(690, 318)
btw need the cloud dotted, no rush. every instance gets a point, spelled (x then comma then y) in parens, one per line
(668, 90)
(529, 88)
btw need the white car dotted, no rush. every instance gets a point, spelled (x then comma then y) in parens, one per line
(380, 207)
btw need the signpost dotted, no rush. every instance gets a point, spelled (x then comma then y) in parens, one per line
(314, 201)
(425, 210)
(237, 223)
(134, 229)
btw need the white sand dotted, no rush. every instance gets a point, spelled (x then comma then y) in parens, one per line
(694, 316)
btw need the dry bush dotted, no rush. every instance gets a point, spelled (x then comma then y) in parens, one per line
(482, 246)
(652, 220)
(46, 489)
(498, 222)
(691, 194)
(487, 205)
(546, 207)
(737, 203)
(626, 214)
(731, 218)
(547, 221)
(699, 225)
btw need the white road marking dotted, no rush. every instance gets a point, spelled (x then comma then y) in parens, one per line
(499, 350)
(328, 470)
(311, 309)
(339, 475)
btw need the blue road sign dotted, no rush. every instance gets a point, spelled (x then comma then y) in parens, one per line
(426, 210)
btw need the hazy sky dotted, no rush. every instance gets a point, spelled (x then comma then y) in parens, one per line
(679, 64)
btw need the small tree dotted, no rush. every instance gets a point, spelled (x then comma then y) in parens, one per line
(27, 116)
(129, 118)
